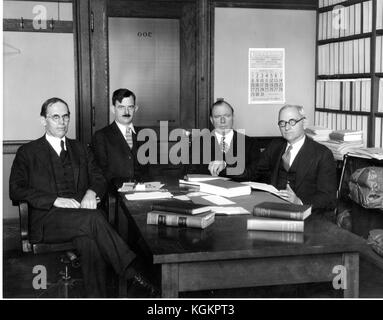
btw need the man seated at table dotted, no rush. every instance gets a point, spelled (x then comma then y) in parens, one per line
(115, 146)
(303, 170)
(229, 150)
(61, 182)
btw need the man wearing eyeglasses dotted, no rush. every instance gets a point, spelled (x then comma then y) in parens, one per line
(115, 146)
(302, 169)
(61, 182)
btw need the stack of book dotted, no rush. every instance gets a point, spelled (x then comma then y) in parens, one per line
(347, 135)
(342, 141)
(225, 188)
(177, 213)
(282, 217)
(318, 133)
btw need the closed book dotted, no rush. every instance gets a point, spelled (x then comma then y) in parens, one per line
(268, 224)
(202, 177)
(276, 236)
(225, 188)
(282, 210)
(178, 206)
(171, 219)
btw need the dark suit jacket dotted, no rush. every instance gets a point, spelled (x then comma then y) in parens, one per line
(250, 154)
(32, 177)
(315, 176)
(114, 155)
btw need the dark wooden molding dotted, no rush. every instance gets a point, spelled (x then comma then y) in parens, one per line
(269, 4)
(340, 39)
(11, 146)
(360, 113)
(26, 25)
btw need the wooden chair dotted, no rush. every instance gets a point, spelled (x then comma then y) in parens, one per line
(69, 258)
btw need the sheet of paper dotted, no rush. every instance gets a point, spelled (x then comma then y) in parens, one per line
(197, 194)
(218, 200)
(126, 187)
(148, 195)
(229, 210)
(183, 198)
(262, 186)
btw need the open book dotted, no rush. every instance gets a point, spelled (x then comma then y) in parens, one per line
(262, 186)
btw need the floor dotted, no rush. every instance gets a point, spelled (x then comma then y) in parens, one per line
(18, 277)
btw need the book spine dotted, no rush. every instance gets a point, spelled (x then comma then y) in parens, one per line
(179, 221)
(271, 213)
(275, 225)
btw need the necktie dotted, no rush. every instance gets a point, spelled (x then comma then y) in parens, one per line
(62, 152)
(128, 137)
(223, 144)
(286, 158)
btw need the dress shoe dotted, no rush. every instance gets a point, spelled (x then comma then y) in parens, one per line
(140, 287)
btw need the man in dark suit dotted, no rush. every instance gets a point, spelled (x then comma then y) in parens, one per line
(302, 169)
(227, 151)
(61, 183)
(115, 146)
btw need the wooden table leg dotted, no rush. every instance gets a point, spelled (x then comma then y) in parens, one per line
(169, 280)
(351, 262)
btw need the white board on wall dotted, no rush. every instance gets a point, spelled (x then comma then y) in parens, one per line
(36, 67)
(237, 30)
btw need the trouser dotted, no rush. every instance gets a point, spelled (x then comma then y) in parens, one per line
(96, 241)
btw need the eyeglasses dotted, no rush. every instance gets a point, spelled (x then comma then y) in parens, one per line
(56, 118)
(291, 122)
(122, 107)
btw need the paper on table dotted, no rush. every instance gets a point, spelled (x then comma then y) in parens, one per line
(262, 186)
(146, 186)
(197, 194)
(229, 210)
(183, 198)
(148, 195)
(218, 200)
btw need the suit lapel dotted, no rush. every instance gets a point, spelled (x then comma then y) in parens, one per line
(304, 158)
(280, 152)
(43, 154)
(74, 157)
(117, 136)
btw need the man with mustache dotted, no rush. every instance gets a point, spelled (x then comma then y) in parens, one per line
(115, 146)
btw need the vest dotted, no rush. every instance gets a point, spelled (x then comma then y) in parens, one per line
(287, 176)
(63, 173)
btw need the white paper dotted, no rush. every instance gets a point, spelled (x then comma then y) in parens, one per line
(148, 195)
(197, 194)
(218, 200)
(229, 210)
(183, 198)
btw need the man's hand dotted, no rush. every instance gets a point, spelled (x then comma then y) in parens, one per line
(66, 203)
(289, 195)
(215, 167)
(89, 200)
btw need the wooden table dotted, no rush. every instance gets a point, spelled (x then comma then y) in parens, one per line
(226, 255)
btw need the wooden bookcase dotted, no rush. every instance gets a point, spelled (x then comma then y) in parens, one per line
(349, 68)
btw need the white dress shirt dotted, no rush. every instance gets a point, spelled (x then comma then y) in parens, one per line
(55, 143)
(295, 149)
(123, 128)
(228, 137)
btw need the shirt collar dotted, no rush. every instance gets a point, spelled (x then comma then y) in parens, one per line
(228, 135)
(56, 142)
(297, 145)
(123, 128)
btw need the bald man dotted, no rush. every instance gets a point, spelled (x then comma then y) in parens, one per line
(303, 170)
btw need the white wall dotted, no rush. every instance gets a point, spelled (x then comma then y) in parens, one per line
(237, 30)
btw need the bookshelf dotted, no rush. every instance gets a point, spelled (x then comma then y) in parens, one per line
(349, 68)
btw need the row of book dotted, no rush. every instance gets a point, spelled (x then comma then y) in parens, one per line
(346, 21)
(339, 121)
(378, 141)
(345, 95)
(379, 54)
(323, 134)
(345, 57)
(380, 99)
(268, 216)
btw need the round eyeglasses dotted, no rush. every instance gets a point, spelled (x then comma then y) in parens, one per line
(56, 118)
(291, 122)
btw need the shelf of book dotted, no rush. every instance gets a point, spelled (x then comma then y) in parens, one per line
(349, 69)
